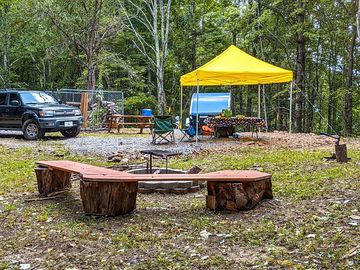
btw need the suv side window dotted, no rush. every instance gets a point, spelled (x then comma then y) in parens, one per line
(3, 99)
(14, 96)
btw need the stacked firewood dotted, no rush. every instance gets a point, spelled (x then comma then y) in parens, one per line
(236, 121)
(106, 107)
(110, 107)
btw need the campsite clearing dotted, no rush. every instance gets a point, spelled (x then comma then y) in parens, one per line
(311, 223)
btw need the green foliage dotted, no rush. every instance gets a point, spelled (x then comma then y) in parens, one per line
(36, 54)
(134, 104)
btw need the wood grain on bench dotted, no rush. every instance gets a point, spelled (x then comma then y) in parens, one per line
(76, 167)
(94, 173)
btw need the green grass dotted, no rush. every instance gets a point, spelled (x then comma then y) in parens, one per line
(129, 132)
(306, 227)
(296, 174)
(17, 166)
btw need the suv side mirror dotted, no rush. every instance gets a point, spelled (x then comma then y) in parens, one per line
(14, 103)
(60, 101)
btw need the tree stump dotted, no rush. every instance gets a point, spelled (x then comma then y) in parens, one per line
(236, 196)
(341, 153)
(50, 181)
(108, 198)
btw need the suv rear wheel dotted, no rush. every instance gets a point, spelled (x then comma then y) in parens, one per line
(32, 131)
(71, 133)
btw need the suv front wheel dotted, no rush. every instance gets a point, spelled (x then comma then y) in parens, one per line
(32, 131)
(71, 133)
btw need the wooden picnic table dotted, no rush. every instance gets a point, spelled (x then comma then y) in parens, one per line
(119, 121)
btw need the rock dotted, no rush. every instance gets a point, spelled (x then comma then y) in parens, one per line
(25, 266)
(116, 159)
(205, 234)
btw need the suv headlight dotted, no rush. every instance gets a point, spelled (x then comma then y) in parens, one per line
(46, 113)
(77, 112)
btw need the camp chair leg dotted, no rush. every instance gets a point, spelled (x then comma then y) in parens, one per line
(159, 138)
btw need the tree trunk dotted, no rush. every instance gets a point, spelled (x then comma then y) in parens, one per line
(348, 96)
(193, 39)
(91, 78)
(108, 198)
(358, 19)
(161, 92)
(332, 89)
(300, 71)
(50, 181)
(237, 196)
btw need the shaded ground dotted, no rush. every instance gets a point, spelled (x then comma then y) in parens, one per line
(313, 223)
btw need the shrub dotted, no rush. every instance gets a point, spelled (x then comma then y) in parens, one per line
(134, 104)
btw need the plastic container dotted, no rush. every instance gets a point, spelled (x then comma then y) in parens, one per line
(146, 112)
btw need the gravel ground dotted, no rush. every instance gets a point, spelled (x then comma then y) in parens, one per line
(105, 144)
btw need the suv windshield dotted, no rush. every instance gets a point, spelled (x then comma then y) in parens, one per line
(37, 97)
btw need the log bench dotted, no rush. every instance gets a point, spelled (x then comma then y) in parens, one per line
(108, 192)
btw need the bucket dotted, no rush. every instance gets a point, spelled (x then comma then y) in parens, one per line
(146, 112)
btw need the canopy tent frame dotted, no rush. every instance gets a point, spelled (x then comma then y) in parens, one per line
(228, 68)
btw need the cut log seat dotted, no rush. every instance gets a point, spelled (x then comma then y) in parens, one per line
(109, 192)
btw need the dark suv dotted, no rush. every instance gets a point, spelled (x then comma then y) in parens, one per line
(35, 112)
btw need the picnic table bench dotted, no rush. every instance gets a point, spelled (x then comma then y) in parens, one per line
(119, 121)
(108, 192)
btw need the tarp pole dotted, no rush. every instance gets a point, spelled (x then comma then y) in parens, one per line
(259, 100)
(197, 112)
(264, 104)
(290, 116)
(181, 107)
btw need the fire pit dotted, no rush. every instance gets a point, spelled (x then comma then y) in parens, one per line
(165, 187)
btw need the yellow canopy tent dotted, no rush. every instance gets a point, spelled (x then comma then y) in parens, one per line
(235, 67)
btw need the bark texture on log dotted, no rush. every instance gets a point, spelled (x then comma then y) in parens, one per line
(108, 199)
(341, 153)
(237, 196)
(50, 181)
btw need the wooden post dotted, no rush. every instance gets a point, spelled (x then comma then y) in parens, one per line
(108, 198)
(236, 196)
(84, 107)
(50, 181)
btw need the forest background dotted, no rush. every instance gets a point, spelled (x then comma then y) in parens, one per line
(142, 47)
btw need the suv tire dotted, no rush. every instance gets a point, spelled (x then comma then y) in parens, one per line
(32, 131)
(71, 133)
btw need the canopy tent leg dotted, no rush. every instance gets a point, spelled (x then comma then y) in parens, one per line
(264, 104)
(259, 101)
(181, 107)
(197, 113)
(290, 116)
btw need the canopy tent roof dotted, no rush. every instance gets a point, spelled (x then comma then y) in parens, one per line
(235, 67)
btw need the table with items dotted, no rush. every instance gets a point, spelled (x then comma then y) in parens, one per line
(253, 122)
